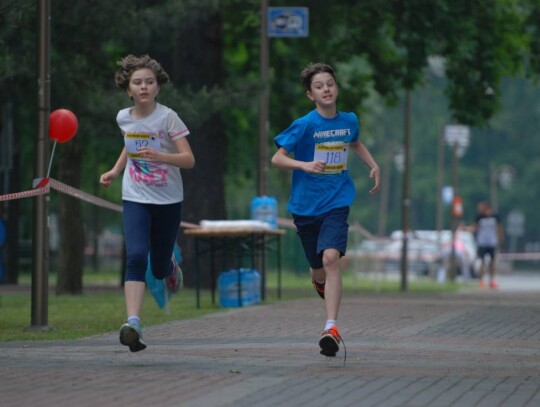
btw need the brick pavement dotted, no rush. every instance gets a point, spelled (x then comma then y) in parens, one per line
(476, 348)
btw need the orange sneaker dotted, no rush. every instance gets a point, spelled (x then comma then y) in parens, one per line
(482, 284)
(493, 284)
(319, 287)
(330, 341)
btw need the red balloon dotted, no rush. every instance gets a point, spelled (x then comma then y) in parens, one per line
(63, 125)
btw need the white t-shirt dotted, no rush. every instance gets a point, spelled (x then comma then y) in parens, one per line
(151, 182)
(487, 231)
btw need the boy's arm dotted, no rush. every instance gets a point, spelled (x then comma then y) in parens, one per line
(366, 157)
(282, 160)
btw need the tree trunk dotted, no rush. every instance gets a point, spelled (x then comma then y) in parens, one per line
(11, 209)
(198, 61)
(71, 256)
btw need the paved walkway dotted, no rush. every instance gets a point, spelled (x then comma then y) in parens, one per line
(474, 348)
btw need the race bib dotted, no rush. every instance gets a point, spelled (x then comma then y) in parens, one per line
(135, 141)
(334, 154)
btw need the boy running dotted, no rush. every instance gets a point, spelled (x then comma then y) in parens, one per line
(322, 189)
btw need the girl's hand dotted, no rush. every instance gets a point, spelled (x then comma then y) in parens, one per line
(107, 177)
(149, 154)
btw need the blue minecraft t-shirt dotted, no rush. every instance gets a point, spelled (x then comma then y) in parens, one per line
(314, 137)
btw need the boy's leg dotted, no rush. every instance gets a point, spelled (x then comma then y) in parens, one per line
(332, 244)
(318, 279)
(492, 282)
(333, 286)
(331, 338)
(481, 255)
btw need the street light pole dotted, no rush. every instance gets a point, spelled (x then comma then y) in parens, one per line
(262, 184)
(502, 175)
(406, 200)
(457, 137)
(452, 270)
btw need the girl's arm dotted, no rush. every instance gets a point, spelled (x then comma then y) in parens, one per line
(107, 177)
(182, 159)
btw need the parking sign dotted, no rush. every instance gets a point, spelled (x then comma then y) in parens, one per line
(288, 22)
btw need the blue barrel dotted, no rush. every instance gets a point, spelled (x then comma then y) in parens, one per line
(250, 284)
(265, 208)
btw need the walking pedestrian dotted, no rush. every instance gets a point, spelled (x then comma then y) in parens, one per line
(155, 149)
(322, 189)
(489, 235)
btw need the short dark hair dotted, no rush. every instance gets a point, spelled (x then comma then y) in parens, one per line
(131, 63)
(311, 70)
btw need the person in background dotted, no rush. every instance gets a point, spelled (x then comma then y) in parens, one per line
(489, 236)
(322, 190)
(155, 149)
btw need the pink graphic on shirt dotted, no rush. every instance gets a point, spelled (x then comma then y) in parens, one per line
(142, 171)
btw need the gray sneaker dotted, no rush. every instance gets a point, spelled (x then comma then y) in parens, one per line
(131, 335)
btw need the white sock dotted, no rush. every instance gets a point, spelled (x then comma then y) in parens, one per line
(320, 281)
(134, 320)
(329, 324)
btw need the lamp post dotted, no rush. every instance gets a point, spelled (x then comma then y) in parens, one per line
(502, 176)
(457, 137)
(406, 199)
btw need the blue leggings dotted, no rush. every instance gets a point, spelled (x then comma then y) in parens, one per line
(150, 228)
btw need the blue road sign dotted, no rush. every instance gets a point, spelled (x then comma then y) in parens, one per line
(288, 22)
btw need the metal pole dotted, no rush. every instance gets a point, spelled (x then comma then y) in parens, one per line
(440, 180)
(262, 185)
(40, 268)
(406, 201)
(452, 266)
(385, 191)
(494, 198)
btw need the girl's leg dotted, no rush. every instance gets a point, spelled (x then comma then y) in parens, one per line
(136, 236)
(163, 234)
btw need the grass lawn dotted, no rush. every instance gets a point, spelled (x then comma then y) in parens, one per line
(101, 308)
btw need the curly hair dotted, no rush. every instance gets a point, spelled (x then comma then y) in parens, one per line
(312, 69)
(132, 63)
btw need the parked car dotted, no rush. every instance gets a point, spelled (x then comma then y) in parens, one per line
(422, 256)
(465, 248)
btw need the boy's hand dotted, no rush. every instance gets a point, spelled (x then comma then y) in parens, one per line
(314, 167)
(376, 174)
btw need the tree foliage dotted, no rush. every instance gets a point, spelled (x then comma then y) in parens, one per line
(211, 51)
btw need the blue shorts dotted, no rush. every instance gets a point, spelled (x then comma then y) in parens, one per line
(321, 232)
(483, 251)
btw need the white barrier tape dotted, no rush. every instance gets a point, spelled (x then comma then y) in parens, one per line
(68, 190)
(43, 186)
(520, 256)
(25, 194)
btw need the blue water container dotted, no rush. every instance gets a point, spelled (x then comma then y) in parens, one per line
(265, 208)
(250, 284)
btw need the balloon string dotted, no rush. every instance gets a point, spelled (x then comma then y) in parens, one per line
(50, 161)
